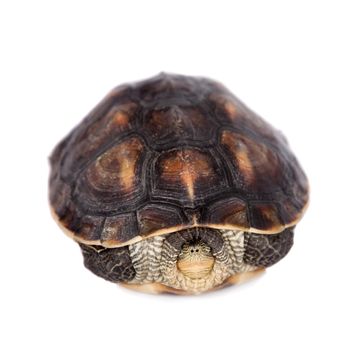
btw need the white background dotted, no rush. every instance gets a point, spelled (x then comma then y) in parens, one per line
(287, 60)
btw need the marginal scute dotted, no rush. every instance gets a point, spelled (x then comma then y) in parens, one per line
(90, 228)
(153, 217)
(265, 216)
(70, 217)
(229, 211)
(59, 195)
(288, 211)
(117, 229)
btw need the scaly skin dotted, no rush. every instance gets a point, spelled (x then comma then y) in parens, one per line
(266, 250)
(160, 259)
(112, 264)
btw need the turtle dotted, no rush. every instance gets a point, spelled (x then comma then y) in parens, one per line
(173, 185)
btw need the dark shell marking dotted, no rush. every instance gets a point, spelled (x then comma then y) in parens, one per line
(169, 153)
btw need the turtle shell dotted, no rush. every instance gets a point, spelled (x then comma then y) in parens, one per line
(169, 153)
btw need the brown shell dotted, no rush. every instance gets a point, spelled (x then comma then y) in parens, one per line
(169, 153)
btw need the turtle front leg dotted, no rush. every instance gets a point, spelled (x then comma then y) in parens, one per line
(112, 264)
(264, 250)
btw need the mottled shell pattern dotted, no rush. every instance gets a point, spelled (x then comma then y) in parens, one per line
(170, 153)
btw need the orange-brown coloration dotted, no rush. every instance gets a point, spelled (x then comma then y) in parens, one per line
(230, 109)
(99, 132)
(116, 167)
(228, 105)
(90, 226)
(153, 219)
(127, 168)
(120, 119)
(188, 165)
(239, 149)
(119, 116)
(244, 162)
(114, 228)
(254, 160)
(188, 177)
(266, 213)
(231, 211)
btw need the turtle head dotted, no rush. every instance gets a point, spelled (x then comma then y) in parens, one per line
(195, 260)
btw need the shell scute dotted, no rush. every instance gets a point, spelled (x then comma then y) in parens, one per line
(155, 217)
(117, 229)
(187, 174)
(187, 124)
(113, 177)
(88, 141)
(258, 166)
(173, 152)
(264, 215)
(228, 211)
(90, 228)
